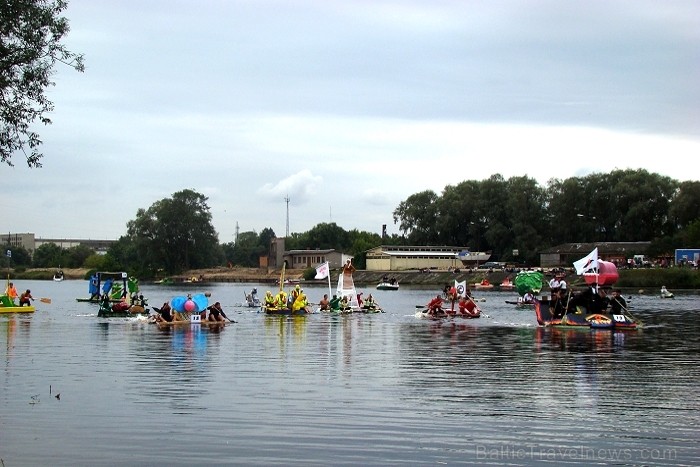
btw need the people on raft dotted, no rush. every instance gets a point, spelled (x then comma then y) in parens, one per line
(335, 302)
(216, 313)
(281, 299)
(105, 302)
(435, 306)
(618, 305)
(527, 299)
(11, 292)
(344, 303)
(324, 304)
(269, 300)
(467, 307)
(26, 298)
(300, 302)
(370, 303)
(164, 315)
(590, 299)
(559, 304)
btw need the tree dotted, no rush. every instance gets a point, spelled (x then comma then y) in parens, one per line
(20, 255)
(49, 255)
(30, 45)
(76, 256)
(685, 205)
(417, 217)
(176, 234)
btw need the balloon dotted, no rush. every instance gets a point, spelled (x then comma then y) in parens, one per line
(190, 306)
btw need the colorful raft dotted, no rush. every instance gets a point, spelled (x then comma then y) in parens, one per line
(582, 318)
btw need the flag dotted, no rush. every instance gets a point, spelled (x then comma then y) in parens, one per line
(587, 263)
(322, 271)
(461, 288)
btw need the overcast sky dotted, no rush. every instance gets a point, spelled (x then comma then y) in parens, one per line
(349, 107)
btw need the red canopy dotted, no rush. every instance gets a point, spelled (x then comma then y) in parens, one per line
(607, 274)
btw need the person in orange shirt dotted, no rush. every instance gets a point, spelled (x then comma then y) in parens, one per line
(11, 292)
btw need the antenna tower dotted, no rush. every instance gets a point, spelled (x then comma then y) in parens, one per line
(286, 199)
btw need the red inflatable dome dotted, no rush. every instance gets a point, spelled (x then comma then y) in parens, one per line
(607, 274)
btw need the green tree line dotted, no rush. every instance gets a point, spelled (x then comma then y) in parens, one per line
(497, 215)
(517, 215)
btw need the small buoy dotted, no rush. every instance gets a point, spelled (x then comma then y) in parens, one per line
(207, 294)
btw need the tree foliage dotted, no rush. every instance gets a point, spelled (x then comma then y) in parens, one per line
(174, 234)
(30, 45)
(20, 256)
(48, 255)
(518, 215)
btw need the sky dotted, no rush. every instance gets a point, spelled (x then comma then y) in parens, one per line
(348, 107)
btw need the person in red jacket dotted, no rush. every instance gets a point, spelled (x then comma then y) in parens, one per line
(435, 305)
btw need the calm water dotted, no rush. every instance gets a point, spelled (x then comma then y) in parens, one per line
(385, 389)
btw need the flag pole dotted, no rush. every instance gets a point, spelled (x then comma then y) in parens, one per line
(330, 295)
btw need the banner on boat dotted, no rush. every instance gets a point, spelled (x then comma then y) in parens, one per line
(461, 288)
(322, 271)
(587, 263)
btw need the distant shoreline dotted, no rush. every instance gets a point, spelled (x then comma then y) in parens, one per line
(648, 280)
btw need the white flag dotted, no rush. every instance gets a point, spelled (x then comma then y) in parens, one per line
(322, 271)
(587, 263)
(461, 288)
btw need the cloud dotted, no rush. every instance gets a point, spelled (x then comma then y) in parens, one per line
(300, 187)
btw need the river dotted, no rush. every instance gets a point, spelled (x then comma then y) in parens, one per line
(381, 389)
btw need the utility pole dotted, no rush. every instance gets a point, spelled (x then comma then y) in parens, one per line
(235, 240)
(286, 199)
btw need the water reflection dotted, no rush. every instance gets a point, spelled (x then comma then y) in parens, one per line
(173, 364)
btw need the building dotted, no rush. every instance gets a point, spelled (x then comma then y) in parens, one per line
(30, 243)
(24, 240)
(402, 258)
(616, 252)
(301, 259)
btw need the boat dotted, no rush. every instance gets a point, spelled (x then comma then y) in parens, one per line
(506, 284)
(665, 293)
(483, 285)
(122, 310)
(388, 285)
(579, 315)
(345, 291)
(58, 275)
(473, 258)
(16, 309)
(425, 314)
(282, 305)
(7, 304)
(117, 285)
(252, 300)
(582, 318)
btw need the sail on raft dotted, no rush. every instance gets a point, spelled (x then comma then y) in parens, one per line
(591, 308)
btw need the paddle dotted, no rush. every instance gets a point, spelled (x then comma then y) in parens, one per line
(45, 300)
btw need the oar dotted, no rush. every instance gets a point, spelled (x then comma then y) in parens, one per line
(45, 300)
